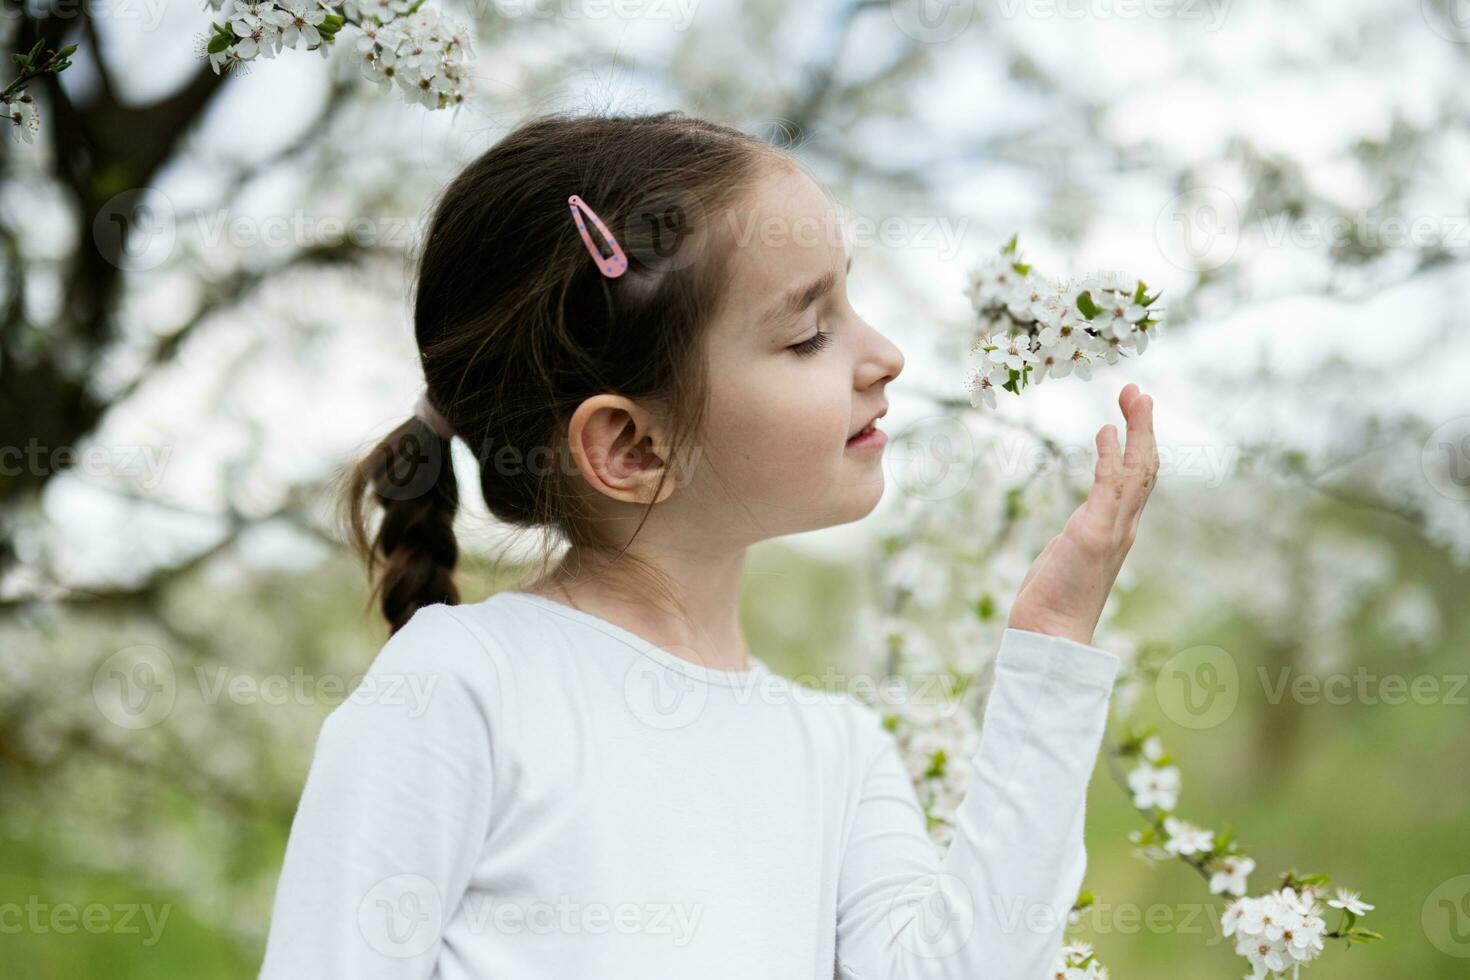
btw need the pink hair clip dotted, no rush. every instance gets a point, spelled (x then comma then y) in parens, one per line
(613, 265)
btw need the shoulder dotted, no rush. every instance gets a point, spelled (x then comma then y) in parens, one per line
(499, 645)
(851, 711)
(434, 672)
(440, 640)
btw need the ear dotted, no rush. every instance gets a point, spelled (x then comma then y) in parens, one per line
(618, 446)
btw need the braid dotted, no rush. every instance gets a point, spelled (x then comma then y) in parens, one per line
(410, 476)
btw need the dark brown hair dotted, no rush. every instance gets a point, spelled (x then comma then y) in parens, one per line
(516, 326)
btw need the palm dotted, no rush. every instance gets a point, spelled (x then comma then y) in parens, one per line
(1064, 591)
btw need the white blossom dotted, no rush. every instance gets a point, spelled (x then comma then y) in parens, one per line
(1277, 933)
(1349, 900)
(420, 54)
(1155, 787)
(1076, 961)
(20, 108)
(1186, 838)
(1231, 876)
(1039, 327)
(298, 21)
(992, 280)
(1014, 353)
(983, 383)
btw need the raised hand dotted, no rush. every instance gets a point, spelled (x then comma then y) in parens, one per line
(1064, 592)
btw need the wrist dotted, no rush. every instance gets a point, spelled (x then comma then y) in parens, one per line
(1067, 631)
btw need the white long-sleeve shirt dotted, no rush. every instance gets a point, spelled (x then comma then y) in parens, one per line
(519, 789)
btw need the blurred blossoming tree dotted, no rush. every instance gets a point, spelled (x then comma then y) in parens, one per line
(153, 356)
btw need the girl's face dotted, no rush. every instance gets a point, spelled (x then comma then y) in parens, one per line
(794, 371)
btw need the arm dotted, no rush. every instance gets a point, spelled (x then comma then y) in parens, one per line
(994, 907)
(395, 809)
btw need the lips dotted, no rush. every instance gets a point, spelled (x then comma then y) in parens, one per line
(869, 426)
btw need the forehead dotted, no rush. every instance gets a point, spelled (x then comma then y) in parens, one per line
(783, 233)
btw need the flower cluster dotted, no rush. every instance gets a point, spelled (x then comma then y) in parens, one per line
(20, 109)
(1154, 784)
(1078, 962)
(402, 44)
(411, 48)
(1277, 932)
(1033, 327)
(16, 104)
(263, 28)
(1284, 929)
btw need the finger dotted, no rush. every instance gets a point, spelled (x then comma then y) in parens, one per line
(1107, 476)
(1141, 457)
(1130, 391)
(1138, 413)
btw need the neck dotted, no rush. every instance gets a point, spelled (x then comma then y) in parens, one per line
(701, 623)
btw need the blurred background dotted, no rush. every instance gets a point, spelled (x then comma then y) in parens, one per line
(203, 313)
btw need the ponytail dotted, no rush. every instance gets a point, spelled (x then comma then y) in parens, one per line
(412, 554)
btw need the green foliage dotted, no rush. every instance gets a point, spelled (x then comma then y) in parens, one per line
(1086, 305)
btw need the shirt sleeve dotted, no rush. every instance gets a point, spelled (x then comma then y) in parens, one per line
(995, 905)
(395, 810)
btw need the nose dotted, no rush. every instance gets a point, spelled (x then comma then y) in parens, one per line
(883, 361)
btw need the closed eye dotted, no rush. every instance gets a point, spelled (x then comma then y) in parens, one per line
(815, 291)
(812, 344)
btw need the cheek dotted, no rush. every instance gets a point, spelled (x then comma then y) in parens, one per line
(779, 436)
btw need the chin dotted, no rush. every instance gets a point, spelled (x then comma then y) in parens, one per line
(856, 500)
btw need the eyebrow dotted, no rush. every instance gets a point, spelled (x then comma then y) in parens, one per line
(801, 297)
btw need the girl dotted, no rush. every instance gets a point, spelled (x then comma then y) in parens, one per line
(592, 776)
